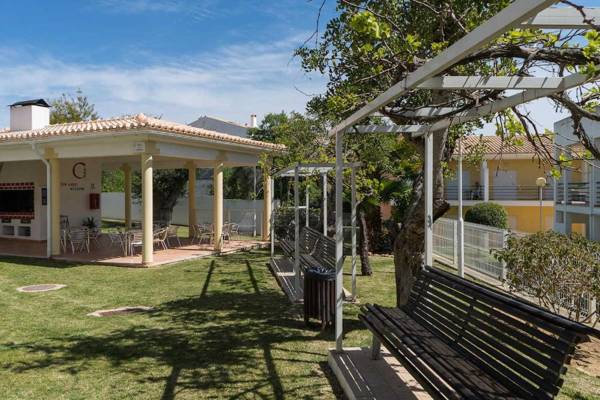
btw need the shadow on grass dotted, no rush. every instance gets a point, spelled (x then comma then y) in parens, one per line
(39, 262)
(216, 340)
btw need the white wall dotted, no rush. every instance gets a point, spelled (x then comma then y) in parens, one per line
(75, 191)
(238, 211)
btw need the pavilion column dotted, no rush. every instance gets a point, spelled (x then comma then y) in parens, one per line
(218, 206)
(147, 222)
(127, 182)
(191, 199)
(485, 180)
(267, 210)
(55, 204)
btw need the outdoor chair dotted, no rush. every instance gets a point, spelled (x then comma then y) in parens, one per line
(195, 232)
(160, 238)
(64, 222)
(234, 230)
(206, 232)
(135, 239)
(79, 240)
(173, 234)
(64, 237)
(226, 234)
(95, 235)
(118, 238)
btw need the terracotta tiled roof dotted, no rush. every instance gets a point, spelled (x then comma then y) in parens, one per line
(495, 145)
(139, 121)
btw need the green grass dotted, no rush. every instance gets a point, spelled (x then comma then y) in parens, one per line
(221, 328)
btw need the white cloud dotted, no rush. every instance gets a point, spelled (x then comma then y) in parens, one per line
(231, 83)
(197, 9)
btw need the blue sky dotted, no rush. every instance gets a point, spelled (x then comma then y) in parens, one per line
(176, 58)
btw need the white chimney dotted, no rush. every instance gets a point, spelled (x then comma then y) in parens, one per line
(29, 114)
(253, 123)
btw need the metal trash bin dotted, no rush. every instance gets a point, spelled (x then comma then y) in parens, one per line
(319, 295)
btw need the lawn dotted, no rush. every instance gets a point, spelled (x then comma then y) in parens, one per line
(221, 328)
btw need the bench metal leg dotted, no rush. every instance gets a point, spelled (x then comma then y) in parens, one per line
(375, 349)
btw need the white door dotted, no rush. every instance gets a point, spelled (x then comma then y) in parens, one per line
(504, 186)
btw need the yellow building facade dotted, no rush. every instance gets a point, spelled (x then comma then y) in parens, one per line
(505, 175)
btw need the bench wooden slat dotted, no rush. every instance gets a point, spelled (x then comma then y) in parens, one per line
(468, 335)
(480, 343)
(523, 354)
(501, 325)
(419, 364)
(441, 326)
(479, 382)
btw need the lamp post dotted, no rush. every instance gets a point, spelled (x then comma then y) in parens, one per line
(540, 183)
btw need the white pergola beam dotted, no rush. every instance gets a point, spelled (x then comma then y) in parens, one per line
(526, 96)
(491, 83)
(388, 129)
(563, 18)
(428, 112)
(509, 17)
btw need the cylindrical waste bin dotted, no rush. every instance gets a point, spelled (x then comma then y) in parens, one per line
(319, 295)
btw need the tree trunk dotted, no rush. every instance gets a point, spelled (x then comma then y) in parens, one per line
(163, 210)
(410, 242)
(363, 243)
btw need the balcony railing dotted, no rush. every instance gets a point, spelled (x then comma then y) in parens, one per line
(469, 193)
(501, 193)
(520, 193)
(578, 193)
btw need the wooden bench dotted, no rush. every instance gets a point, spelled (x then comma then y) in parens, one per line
(461, 340)
(308, 241)
(323, 253)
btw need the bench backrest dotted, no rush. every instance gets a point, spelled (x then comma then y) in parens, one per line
(521, 345)
(308, 240)
(321, 247)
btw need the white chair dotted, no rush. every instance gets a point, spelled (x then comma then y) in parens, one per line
(64, 238)
(206, 232)
(95, 235)
(79, 239)
(173, 233)
(160, 238)
(234, 230)
(135, 239)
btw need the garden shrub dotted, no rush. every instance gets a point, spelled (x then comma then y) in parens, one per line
(490, 214)
(560, 271)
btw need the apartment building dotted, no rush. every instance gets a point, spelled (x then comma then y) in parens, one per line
(505, 175)
(577, 192)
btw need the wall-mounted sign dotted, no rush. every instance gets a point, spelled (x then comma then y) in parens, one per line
(44, 196)
(139, 147)
(79, 170)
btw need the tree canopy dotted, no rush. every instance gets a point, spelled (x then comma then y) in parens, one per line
(372, 44)
(69, 108)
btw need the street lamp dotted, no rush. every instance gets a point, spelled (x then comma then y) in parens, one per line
(540, 183)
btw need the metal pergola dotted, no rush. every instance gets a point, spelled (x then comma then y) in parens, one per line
(308, 170)
(519, 14)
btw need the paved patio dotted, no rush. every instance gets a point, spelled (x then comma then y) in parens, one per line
(103, 253)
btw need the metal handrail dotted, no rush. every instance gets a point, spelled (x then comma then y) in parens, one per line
(520, 192)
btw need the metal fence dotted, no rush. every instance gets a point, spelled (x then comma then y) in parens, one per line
(480, 240)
